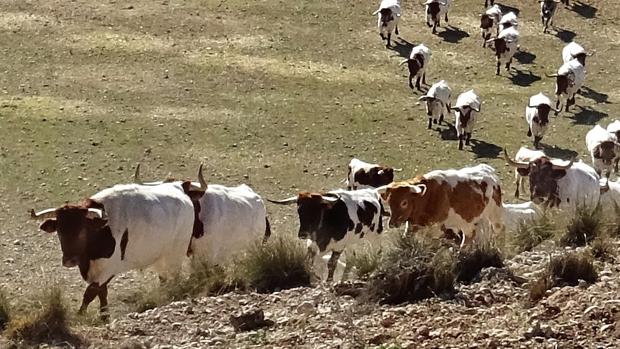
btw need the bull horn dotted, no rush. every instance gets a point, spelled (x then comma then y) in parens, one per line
(590, 54)
(404, 61)
(94, 213)
(136, 175)
(201, 179)
(551, 75)
(398, 170)
(477, 110)
(47, 213)
(382, 189)
(374, 13)
(330, 199)
(423, 98)
(513, 163)
(418, 189)
(562, 167)
(288, 201)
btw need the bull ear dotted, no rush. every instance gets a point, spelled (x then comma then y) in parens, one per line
(49, 225)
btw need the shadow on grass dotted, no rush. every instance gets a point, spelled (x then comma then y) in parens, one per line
(565, 35)
(559, 152)
(587, 116)
(453, 34)
(402, 47)
(594, 95)
(484, 149)
(449, 133)
(521, 78)
(584, 10)
(525, 57)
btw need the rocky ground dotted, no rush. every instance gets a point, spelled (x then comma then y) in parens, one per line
(492, 313)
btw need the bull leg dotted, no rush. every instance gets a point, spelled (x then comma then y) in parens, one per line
(529, 132)
(498, 65)
(446, 18)
(468, 138)
(508, 64)
(331, 265)
(616, 164)
(430, 123)
(382, 36)
(103, 302)
(417, 83)
(441, 118)
(411, 81)
(396, 31)
(461, 137)
(389, 39)
(90, 293)
(435, 27)
(537, 140)
(424, 78)
(557, 106)
(517, 190)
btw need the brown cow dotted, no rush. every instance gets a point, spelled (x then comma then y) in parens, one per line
(457, 200)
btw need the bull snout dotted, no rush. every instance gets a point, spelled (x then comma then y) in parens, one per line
(393, 223)
(69, 262)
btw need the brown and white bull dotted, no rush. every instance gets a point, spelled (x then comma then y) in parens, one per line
(363, 175)
(122, 228)
(333, 221)
(566, 185)
(457, 200)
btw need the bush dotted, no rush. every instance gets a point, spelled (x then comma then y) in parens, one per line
(473, 259)
(50, 325)
(365, 260)
(583, 227)
(278, 264)
(413, 270)
(602, 248)
(5, 310)
(531, 234)
(564, 270)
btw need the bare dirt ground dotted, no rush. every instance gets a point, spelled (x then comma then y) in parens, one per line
(276, 94)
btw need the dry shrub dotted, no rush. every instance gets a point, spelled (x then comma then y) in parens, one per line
(473, 259)
(585, 225)
(49, 325)
(564, 270)
(365, 260)
(414, 269)
(5, 310)
(602, 248)
(531, 234)
(278, 264)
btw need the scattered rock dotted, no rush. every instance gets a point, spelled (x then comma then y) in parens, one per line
(249, 320)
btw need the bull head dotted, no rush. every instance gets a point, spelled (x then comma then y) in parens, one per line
(311, 209)
(401, 201)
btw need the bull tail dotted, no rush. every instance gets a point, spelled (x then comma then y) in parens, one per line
(267, 230)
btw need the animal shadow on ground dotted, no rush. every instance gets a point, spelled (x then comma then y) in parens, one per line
(557, 152)
(565, 35)
(485, 150)
(508, 8)
(525, 57)
(591, 94)
(584, 10)
(587, 116)
(523, 79)
(449, 133)
(402, 47)
(453, 35)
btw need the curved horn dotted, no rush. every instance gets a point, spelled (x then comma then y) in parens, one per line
(398, 170)
(201, 179)
(551, 75)
(136, 175)
(477, 110)
(47, 213)
(330, 199)
(513, 163)
(562, 167)
(375, 13)
(425, 97)
(403, 62)
(94, 213)
(418, 189)
(288, 201)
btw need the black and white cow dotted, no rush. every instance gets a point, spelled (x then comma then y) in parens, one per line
(435, 9)
(363, 175)
(547, 11)
(489, 23)
(333, 221)
(418, 63)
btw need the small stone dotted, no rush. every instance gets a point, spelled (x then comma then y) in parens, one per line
(306, 308)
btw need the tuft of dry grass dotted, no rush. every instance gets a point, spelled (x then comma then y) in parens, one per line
(583, 227)
(364, 261)
(278, 264)
(602, 248)
(5, 310)
(564, 270)
(531, 234)
(49, 325)
(414, 269)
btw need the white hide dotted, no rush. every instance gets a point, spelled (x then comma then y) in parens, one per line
(233, 218)
(495, 13)
(356, 165)
(444, 7)
(471, 100)
(576, 75)
(579, 187)
(571, 50)
(610, 200)
(493, 213)
(594, 138)
(393, 5)
(537, 129)
(614, 127)
(159, 222)
(508, 20)
(441, 93)
(523, 213)
(511, 36)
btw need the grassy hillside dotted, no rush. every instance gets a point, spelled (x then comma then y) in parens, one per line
(276, 94)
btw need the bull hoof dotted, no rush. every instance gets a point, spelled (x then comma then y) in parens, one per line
(435, 121)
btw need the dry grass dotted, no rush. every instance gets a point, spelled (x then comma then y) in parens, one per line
(584, 226)
(5, 310)
(564, 270)
(278, 264)
(47, 325)
(364, 261)
(531, 234)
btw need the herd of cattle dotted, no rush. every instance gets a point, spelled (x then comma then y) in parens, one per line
(161, 223)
